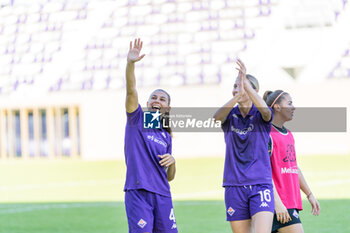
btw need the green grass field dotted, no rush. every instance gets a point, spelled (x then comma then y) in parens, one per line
(75, 196)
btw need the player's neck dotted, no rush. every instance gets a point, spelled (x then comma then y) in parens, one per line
(277, 121)
(244, 107)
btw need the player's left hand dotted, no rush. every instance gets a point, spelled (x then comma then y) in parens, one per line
(315, 206)
(166, 160)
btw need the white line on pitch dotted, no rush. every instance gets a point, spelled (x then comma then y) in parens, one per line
(58, 185)
(19, 208)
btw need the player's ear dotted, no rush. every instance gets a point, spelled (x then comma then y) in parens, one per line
(277, 107)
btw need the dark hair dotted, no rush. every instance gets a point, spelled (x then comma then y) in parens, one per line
(270, 97)
(165, 117)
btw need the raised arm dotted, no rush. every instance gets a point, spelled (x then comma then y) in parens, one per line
(315, 206)
(253, 94)
(131, 102)
(222, 112)
(238, 91)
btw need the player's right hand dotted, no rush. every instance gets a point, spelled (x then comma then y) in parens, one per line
(282, 213)
(134, 51)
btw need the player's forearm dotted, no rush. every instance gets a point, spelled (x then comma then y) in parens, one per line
(258, 101)
(131, 102)
(171, 172)
(303, 184)
(130, 78)
(222, 112)
(276, 195)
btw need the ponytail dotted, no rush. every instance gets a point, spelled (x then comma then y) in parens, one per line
(166, 120)
(266, 94)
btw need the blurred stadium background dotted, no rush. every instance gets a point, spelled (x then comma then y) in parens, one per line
(62, 114)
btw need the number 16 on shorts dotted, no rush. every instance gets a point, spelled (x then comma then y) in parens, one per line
(265, 197)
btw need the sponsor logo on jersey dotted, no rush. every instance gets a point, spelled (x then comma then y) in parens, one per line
(289, 170)
(264, 204)
(230, 211)
(242, 131)
(163, 134)
(142, 223)
(174, 226)
(156, 140)
(295, 214)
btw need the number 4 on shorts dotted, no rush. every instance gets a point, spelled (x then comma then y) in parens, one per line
(172, 216)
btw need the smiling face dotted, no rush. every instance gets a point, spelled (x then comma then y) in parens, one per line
(285, 108)
(158, 100)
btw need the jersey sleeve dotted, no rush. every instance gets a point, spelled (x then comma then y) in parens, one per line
(133, 118)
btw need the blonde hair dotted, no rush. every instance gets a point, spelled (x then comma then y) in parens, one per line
(253, 81)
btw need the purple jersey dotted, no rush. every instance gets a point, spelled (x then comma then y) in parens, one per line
(247, 159)
(142, 147)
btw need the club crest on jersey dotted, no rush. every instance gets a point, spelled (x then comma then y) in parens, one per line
(264, 204)
(230, 211)
(295, 214)
(142, 223)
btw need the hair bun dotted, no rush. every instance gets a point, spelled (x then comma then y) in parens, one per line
(266, 94)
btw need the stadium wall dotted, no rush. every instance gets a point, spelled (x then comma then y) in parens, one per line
(102, 117)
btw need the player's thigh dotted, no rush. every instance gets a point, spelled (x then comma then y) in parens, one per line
(295, 228)
(164, 216)
(262, 222)
(261, 199)
(242, 226)
(237, 205)
(138, 211)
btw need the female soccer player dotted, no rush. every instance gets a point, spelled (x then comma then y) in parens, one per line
(247, 173)
(148, 158)
(287, 176)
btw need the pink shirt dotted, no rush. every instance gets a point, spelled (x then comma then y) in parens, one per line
(285, 169)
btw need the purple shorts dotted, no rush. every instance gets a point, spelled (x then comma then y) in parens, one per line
(242, 202)
(149, 212)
